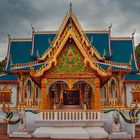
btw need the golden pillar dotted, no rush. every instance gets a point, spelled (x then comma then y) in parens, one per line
(18, 96)
(43, 94)
(125, 96)
(97, 93)
(107, 92)
(21, 84)
(34, 93)
(120, 88)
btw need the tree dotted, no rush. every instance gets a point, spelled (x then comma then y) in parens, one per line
(2, 64)
(138, 54)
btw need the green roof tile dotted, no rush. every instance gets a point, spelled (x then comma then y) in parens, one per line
(122, 50)
(100, 41)
(7, 77)
(133, 76)
(41, 43)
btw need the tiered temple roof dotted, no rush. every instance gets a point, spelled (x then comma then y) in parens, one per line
(115, 52)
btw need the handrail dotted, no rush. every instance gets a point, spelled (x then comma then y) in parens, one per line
(74, 115)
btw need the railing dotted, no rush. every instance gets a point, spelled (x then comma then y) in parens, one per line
(102, 101)
(39, 101)
(135, 104)
(30, 101)
(111, 101)
(69, 115)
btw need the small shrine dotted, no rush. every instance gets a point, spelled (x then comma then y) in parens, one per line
(5, 95)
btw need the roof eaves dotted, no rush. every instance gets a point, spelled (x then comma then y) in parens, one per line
(96, 31)
(20, 39)
(121, 38)
(8, 53)
(46, 32)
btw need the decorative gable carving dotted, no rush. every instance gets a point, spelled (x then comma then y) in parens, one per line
(136, 88)
(70, 30)
(5, 95)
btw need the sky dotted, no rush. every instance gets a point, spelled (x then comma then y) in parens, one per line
(16, 17)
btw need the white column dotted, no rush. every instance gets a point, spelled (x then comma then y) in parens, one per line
(55, 115)
(84, 115)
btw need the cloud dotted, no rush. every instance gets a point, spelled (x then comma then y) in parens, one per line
(16, 17)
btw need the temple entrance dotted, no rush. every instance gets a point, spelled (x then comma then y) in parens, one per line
(80, 96)
(71, 97)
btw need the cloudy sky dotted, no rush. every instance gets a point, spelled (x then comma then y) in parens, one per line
(16, 16)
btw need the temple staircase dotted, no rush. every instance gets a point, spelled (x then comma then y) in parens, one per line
(137, 132)
(70, 122)
(71, 107)
(3, 131)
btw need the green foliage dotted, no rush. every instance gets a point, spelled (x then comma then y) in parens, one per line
(137, 51)
(2, 64)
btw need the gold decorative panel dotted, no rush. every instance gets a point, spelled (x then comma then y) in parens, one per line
(5, 94)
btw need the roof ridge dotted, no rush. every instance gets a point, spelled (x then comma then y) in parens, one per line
(26, 64)
(113, 64)
(96, 31)
(21, 39)
(45, 32)
(121, 38)
(116, 63)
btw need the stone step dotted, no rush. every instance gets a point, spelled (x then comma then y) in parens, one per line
(137, 126)
(3, 128)
(78, 133)
(136, 138)
(137, 129)
(137, 133)
(71, 107)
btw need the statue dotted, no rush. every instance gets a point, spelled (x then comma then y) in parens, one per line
(22, 123)
(116, 126)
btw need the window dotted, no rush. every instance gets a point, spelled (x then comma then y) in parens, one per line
(113, 89)
(28, 90)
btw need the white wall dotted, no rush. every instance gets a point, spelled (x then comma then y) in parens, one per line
(128, 92)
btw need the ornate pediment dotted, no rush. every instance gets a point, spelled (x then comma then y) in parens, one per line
(70, 31)
(70, 61)
(70, 25)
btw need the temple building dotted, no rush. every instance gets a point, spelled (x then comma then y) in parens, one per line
(70, 77)
(70, 69)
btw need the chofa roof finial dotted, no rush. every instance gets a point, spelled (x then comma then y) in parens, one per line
(8, 34)
(33, 29)
(70, 6)
(133, 33)
(110, 27)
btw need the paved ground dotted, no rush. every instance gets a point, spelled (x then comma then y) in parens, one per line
(6, 138)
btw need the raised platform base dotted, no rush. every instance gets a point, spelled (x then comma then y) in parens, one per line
(20, 135)
(70, 132)
(119, 135)
(75, 123)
